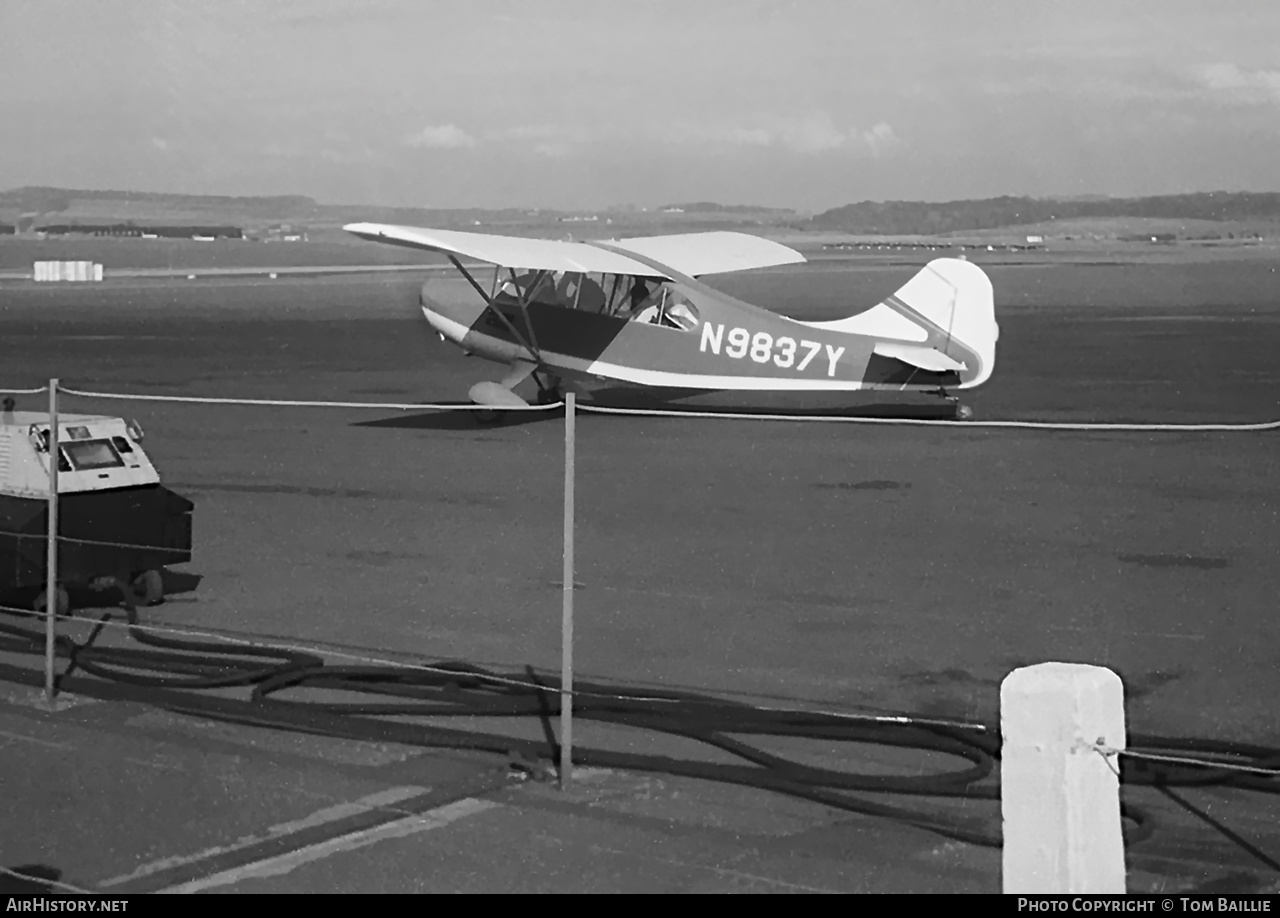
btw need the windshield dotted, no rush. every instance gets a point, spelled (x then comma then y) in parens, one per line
(659, 304)
(91, 454)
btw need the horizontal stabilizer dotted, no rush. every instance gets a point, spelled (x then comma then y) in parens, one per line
(493, 395)
(926, 358)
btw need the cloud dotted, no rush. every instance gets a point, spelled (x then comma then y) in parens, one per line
(752, 137)
(526, 132)
(806, 136)
(879, 139)
(348, 154)
(441, 137)
(813, 134)
(552, 149)
(551, 140)
(1242, 85)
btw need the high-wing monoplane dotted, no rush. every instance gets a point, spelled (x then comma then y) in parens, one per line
(630, 322)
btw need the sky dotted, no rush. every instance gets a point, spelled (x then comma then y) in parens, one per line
(581, 104)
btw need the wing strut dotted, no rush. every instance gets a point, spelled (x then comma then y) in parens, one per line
(522, 298)
(532, 348)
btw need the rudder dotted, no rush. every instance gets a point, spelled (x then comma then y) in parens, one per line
(954, 301)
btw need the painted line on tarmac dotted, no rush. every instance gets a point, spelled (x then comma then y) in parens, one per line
(366, 804)
(286, 863)
(33, 698)
(7, 736)
(402, 810)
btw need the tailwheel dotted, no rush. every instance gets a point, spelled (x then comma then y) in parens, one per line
(62, 606)
(952, 402)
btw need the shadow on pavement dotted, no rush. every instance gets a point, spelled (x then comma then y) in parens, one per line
(461, 420)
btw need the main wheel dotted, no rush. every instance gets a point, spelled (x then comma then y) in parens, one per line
(486, 417)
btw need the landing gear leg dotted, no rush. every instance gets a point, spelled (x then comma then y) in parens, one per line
(549, 392)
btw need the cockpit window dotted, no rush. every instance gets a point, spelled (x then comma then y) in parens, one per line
(665, 306)
(92, 454)
(653, 300)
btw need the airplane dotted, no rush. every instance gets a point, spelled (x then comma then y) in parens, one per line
(630, 323)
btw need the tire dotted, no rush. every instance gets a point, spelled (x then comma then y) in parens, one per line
(487, 417)
(148, 588)
(63, 602)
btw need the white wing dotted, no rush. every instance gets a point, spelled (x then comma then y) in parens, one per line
(710, 253)
(692, 254)
(507, 251)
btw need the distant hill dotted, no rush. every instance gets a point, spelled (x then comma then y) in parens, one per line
(44, 205)
(929, 218)
(34, 206)
(118, 212)
(42, 199)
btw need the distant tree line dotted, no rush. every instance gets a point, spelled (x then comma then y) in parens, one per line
(925, 218)
(135, 230)
(42, 199)
(710, 207)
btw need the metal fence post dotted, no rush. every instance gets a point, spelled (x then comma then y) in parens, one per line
(51, 550)
(566, 621)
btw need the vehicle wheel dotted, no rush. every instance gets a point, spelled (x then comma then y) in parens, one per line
(486, 417)
(148, 588)
(63, 601)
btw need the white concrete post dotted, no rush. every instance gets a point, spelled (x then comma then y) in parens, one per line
(1059, 797)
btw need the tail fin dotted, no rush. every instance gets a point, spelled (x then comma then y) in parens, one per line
(952, 300)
